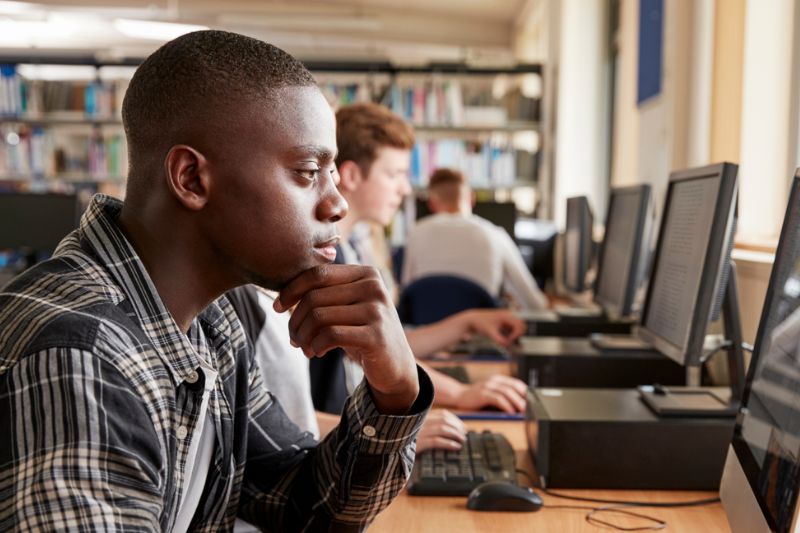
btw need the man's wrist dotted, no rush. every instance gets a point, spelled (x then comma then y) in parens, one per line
(397, 403)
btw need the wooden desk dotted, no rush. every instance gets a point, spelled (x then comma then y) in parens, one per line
(438, 514)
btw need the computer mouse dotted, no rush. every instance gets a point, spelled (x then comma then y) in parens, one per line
(503, 496)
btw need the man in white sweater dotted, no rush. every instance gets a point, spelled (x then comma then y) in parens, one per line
(456, 242)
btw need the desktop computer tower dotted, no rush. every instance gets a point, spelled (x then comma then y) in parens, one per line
(609, 439)
(568, 362)
(548, 323)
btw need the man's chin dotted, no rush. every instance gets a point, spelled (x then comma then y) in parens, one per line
(277, 284)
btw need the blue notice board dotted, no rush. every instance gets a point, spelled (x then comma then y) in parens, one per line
(651, 35)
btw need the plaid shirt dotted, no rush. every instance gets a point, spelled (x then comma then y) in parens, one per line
(99, 398)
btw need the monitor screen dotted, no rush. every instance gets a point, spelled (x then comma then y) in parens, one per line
(618, 269)
(503, 214)
(577, 243)
(767, 436)
(36, 221)
(690, 255)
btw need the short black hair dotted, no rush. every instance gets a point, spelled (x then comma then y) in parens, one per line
(197, 77)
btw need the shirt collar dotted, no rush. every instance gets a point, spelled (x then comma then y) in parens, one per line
(99, 228)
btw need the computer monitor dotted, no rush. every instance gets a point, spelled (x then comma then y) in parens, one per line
(691, 254)
(619, 271)
(577, 244)
(36, 222)
(503, 214)
(761, 478)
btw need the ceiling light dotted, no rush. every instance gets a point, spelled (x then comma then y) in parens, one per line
(149, 29)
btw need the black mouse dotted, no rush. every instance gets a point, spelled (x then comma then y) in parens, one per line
(503, 496)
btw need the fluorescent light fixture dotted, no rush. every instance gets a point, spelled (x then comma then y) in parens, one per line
(150, 29)
(19, 8)
(57, 72)
(22, 33)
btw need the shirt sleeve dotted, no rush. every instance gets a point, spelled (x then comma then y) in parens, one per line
(516, 277)
(344, 482)
(78, 449)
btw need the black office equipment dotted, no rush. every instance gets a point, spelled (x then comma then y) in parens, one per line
(503, 496)
(536, 242)
(34, 223)
(484, 457)
(577, 244)
(759, 488)
(503, 214)
(608, 439)
(620, 271)
(458, 372)
(573, 362)
(624, 250)
(621, 438)
(698, 216)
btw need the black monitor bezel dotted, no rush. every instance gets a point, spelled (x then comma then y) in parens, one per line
(713, 263)
(585, 253)
(783, 262)
(644, 191)
(49, 247)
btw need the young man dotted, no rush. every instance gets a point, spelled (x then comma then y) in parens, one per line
(128, 396)
(373, 162)
(496, 267)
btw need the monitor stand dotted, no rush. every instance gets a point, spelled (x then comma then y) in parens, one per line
(704, 401)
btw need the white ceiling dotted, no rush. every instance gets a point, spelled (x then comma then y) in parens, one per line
(404, 31)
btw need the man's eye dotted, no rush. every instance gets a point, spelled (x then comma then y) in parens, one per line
(311, 174)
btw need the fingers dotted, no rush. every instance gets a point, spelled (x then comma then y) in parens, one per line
(318, 277)
(502, 326)
(503, 392)
(516, 328)
(318, 317)
(428, 443)
(441, 429)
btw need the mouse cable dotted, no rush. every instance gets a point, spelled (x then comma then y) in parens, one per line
(689, 503)
(592, 518)
(664, 505)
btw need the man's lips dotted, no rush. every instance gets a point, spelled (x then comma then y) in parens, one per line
(328, 248)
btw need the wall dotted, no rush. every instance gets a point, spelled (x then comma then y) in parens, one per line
(765, 170)
(581, 150)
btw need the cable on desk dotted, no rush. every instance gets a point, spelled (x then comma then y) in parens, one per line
(666, 505)
(617, 506)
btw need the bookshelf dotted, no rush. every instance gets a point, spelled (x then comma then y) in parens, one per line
(61, 134)
(69, 133)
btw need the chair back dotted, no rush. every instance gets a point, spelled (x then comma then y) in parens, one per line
(432, 298)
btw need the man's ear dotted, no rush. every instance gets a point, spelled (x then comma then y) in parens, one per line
(187, 176)
(350, 176)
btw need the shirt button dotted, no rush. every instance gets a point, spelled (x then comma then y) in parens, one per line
(182, 432)
(192, 377)
(369, 431)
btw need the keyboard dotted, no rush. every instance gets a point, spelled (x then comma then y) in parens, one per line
(480, 347)
(484, 457)
(458, 373)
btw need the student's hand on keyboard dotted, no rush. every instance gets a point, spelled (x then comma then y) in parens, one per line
(501, 392)
(349, 307)
(442, 429)
(500, 325)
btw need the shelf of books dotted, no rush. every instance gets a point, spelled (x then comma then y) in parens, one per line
(67, 132)
(61, 134)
